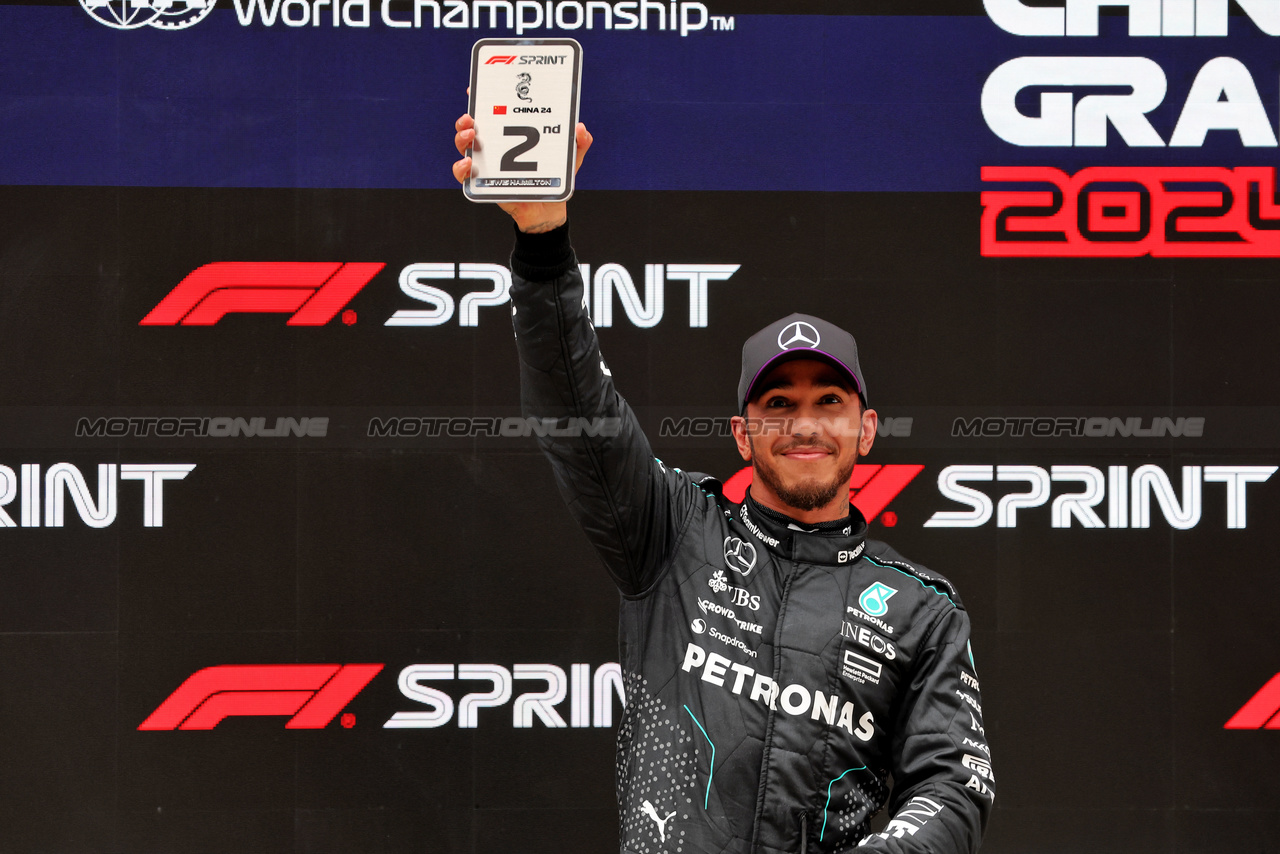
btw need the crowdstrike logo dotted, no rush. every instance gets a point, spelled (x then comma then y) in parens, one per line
(1262, 711)
(311, 694)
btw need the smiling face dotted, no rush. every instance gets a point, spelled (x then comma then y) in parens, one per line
(803, 431)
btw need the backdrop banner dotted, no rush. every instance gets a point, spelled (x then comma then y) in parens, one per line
(281, 568)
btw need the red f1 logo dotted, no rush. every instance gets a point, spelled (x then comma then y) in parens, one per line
(871, 487)
(1262, 711)
(313, 291)
(500, 60)
(312, 693)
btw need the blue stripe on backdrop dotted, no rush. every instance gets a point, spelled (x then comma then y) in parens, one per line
(780, 103)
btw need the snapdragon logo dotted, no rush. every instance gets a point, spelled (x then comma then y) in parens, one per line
(1132, 499)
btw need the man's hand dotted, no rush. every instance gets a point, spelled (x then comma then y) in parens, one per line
(531, 217)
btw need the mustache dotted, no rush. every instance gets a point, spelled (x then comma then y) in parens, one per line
(816, 444)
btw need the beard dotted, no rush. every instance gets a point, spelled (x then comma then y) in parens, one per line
(808, 494)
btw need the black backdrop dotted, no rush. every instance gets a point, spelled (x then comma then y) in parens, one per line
(1111, 658)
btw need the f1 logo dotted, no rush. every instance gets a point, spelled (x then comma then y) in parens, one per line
(500, 60)
(312, 693)
(313, 291)
(1262, 711)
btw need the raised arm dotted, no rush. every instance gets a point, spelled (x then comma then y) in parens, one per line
(629, 504)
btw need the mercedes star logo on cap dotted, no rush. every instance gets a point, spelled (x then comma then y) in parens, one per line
(798, 334)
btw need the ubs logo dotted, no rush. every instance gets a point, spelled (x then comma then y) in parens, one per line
(739, 555)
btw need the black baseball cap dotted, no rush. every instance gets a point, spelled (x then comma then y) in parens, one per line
(799, 336)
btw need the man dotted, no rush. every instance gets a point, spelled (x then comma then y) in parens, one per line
(779, 667)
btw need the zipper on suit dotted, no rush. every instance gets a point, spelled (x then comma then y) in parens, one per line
(772, 713)
(804, 832)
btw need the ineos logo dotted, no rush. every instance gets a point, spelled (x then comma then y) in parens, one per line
(798, 334)
(739, 555)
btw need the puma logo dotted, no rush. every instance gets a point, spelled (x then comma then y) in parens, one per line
(648, 809)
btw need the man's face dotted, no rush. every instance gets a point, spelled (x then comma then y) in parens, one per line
(803, 431)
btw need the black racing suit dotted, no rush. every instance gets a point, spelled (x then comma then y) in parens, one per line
(774, 677)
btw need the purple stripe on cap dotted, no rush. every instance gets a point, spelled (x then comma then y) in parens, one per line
(827, 356)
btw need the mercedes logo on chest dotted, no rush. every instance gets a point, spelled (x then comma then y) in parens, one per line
(739, 555)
